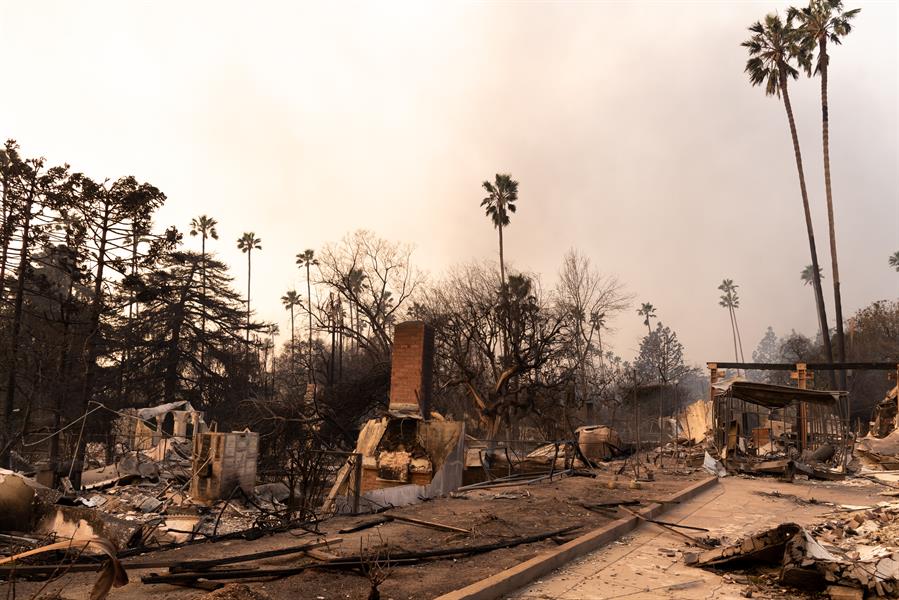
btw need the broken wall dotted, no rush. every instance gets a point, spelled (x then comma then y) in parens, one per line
(447, 441)
(697, 420)
(223, 461)
(443, 443)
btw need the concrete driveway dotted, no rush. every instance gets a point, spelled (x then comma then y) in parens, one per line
(648, 563)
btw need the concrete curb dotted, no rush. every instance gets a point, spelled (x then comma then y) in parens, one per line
(510, 580)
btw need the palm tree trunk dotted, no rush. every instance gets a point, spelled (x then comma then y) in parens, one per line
(309, 310)
(825, 133)
(733, 332)
(822, 313)
(249, 279)
(502, 264)
(817, 294)
(203, 318)
(739, 338)
(293, 342)
(502, 277)
(505, 301)
(203, 291)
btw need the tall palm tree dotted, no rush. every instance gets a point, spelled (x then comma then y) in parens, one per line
(647, 311)
(204, 227)
(894, 260)
(824, 21)
(291, 300)
(807, 277)
(307, 260)
(731, 301)
(772, 48)
(500, 201)
(247, 243)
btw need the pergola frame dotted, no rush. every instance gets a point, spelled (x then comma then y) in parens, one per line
(801, 372)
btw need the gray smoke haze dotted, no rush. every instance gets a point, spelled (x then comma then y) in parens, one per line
(631, 127)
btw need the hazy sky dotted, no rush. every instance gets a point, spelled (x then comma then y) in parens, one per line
(631, 127)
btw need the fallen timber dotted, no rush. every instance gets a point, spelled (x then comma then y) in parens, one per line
(354, 562)
(667, 527)
(495, 483)
(173, 565)
(397, 518)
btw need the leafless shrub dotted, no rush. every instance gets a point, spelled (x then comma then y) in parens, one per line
(375, 564)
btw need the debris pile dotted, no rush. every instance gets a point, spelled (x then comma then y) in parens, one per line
(879, 450)
(859, 551)
(764, 429)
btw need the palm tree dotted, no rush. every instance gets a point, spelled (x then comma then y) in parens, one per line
(500, 201)
(731, 301)
(807, 278)
(821, 22)
(772, 47)
(204, 227)
(894, 260)
(307, 260)
(647, 311)
(290, 300)
(247, 243)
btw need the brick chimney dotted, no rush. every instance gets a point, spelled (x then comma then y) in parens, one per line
(412, 368)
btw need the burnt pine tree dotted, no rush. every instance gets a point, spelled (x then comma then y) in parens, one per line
(108, 209)
(180, 322)
(30, 188)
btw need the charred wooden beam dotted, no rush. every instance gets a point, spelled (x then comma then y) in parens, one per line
(844, 366)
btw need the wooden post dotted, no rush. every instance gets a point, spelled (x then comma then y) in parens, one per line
(716, 374)
(357, 484)
(800, 375)
(636, 417)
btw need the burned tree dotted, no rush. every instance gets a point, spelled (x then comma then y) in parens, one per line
(377, 280)
(589, 301)
(187, 340)
(470, 320)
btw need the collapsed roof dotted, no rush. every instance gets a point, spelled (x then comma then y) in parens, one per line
(775, 396)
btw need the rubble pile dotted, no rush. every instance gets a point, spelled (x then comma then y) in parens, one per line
(141, 500)
(859, 551)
